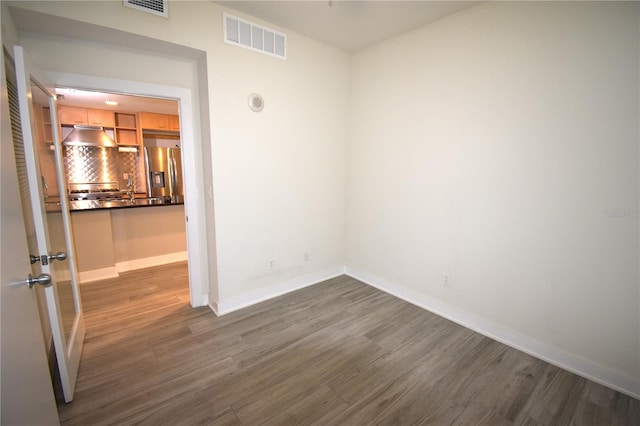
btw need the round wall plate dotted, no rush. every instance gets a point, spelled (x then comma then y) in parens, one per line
(256, 103)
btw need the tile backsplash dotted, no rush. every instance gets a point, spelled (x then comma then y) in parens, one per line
(90, 164)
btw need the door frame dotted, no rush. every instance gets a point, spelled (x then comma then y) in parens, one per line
(194, 202)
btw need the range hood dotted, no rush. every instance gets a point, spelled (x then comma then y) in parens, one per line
(88, 136)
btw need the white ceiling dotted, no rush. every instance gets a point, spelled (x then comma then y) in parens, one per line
(126, 103)
(349, 25)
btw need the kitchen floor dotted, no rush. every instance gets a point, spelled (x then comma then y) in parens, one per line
(339, 352)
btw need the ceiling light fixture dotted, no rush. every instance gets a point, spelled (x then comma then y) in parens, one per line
(110, 102)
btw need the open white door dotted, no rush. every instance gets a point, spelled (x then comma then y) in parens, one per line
(27, 393)
(52, 228)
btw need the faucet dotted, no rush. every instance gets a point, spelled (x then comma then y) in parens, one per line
(130, 189)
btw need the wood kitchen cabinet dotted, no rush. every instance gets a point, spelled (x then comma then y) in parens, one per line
(155, 121)
(174, 123)
(101, 117)
(126, 130)
(124, 125)
(45, 122)
(152, 120)
(71, 116)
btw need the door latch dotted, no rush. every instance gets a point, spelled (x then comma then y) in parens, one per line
(45, 259)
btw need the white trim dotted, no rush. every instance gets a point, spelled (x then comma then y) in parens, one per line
(257, 296)
(97, 274)
(148, 262)
(552, 355)
(132, 265)
(214, 307)
(194, 203)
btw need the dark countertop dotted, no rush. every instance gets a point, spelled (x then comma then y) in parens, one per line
(89, 205)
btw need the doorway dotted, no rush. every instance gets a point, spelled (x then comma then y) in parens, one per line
(193, 203)
(140, 222)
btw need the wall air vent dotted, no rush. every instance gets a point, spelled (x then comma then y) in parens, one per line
(243, 33)
(156, 7)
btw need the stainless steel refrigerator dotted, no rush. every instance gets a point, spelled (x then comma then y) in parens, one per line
(164, 173)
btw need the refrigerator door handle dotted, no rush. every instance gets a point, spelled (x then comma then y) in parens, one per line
(172, 173)
(147, 169)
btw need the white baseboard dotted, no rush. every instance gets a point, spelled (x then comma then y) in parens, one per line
(541, 350)
(148, 262)
(97, 274)
(131, 265)
(200, 300)
(248, 299)
(214, 307)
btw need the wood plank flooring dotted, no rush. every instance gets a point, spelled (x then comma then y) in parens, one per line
(337, 353)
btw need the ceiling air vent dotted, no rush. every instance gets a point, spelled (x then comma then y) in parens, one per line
(252, 36)
(156, 7)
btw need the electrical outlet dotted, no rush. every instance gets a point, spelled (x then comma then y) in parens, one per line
(446, 281)
(306, 256)
(272, 264)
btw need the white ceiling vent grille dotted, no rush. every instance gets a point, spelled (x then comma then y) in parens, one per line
(249, 35)
(157, 7)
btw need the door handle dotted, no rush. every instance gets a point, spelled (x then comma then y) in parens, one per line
(60, 256)
(45, 259)
(42, 279)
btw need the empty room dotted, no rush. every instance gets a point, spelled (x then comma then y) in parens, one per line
(390, 212)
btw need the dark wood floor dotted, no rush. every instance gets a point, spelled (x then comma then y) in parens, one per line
(339, 352)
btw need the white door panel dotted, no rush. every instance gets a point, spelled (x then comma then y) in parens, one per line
(53, 232)
(26, 391)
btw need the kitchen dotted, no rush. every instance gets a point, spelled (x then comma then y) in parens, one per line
(123, 173)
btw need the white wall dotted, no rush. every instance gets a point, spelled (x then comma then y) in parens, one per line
(72, 55)
(490, 146)
(278, 176)
(280, 172)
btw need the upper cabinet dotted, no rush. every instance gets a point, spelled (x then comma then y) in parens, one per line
(72, 115)
(155, 121)
(101, 117)
(85, 116)
(119, 125)
(44, 120)
(174, 123)
(126, 129)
